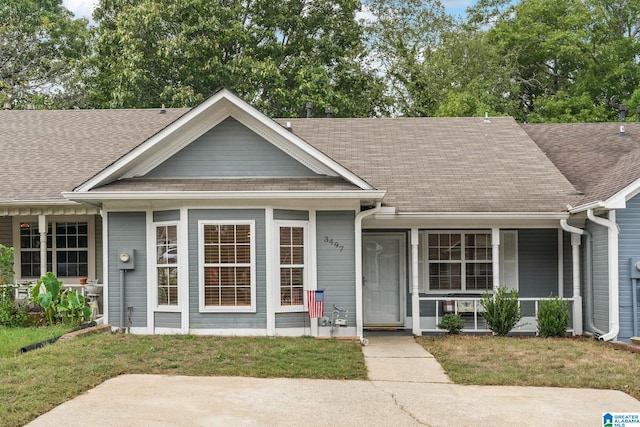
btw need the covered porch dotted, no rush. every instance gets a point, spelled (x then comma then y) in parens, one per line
(443, 266)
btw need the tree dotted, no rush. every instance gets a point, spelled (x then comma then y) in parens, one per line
(478, 76)
(573, 60)
(278, 55)
(404, 37)
(41, 52)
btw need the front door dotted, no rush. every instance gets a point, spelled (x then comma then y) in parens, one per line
(384, 279)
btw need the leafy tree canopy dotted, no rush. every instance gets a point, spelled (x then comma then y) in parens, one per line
(276, 55)
(41, 51)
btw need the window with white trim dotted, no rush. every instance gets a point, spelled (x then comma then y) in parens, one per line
(227, 269)
(67, 244)
(292, 264)
(167, 264)
(458, 261)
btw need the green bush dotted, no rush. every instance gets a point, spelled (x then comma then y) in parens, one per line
(60, 306)
(501, 310)
(553, 317)
(11, 314)
(452, 323)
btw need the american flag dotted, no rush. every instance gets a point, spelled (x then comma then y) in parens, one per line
(315, 303)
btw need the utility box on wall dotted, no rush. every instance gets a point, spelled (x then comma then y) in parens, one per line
(634, 268)
(126, 259)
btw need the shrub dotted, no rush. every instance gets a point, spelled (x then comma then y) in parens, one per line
(501, 311)
(452, 323)
(11, 314)
(553, 317)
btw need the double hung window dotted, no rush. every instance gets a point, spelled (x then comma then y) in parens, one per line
(227, 268)
(67, 249)
(458, 261)
(292, 265)
(167, 264)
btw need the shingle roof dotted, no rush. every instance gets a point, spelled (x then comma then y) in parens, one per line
(424, 164)
(595, 157)
(47, 152)
(444, 164)
(237, 184)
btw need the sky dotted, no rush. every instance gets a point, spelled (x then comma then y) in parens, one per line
(84, 8)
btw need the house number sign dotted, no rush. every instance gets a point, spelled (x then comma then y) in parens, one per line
(334, 243)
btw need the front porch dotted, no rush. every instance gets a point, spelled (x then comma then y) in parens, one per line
(432, 309)
(414, 276)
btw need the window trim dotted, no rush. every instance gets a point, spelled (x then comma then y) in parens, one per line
(515, 259)
(201, 265)
(154, 275)
(279, 308)
(424, 280)
(52, 219)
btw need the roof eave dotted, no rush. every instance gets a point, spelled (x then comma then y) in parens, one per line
(376, 195)
(473, 215)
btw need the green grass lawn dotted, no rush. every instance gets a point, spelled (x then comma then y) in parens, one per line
(35, 382)
(534, 361)
(13, 339)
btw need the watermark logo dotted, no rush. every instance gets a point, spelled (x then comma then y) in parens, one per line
(619, 419)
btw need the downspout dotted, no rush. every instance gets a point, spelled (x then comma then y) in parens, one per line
(612, 244)
(576, 234)
(358, 244)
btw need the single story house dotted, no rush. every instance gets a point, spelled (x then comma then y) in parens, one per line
(219, 219)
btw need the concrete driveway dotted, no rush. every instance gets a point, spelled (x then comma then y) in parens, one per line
(407, 388)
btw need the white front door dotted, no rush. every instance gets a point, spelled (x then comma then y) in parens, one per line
(384, 279)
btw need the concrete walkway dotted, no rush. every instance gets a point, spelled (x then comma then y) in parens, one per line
(407, 388)
(401, 359)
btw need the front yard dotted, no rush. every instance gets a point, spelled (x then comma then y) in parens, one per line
(35, 382)
(534, 361)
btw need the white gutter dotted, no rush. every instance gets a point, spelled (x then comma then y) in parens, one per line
(612, 243)
(219, 195)
(576, 234)
(471, 215)
(358, 246)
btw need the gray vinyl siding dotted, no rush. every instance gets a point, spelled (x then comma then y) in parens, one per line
(538, 262)
(6, 234)
(230, 150)
(257, 320)
(293, 320)
(290, 215)
(99, 249)
(336, 268)
(600, 275)
(161, 216)
(628, 247)
(167, 320)
(128, 230)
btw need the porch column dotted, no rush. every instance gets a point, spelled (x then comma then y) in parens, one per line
(576, 240)
(495, 256)
(415, 288)
(42, 227)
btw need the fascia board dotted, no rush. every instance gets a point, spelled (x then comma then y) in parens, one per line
(121, 166)
(583, 208)
(196, 122)
(616, 201)
(224, 195)
(474, 215)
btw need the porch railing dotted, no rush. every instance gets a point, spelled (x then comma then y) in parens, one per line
(470, 308)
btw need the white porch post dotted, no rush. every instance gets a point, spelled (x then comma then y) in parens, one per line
(415, 288)
(42, 227)
(576, 240)
(495, 256)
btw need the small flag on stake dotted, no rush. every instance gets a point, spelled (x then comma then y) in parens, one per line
(315, 303)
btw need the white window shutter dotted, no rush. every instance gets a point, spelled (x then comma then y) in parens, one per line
(509, 259)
